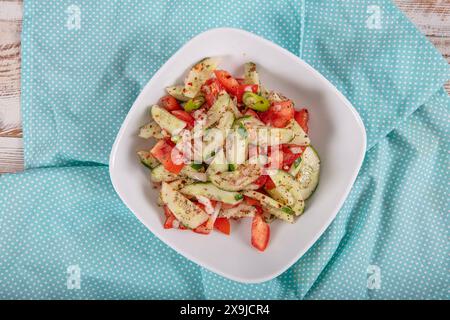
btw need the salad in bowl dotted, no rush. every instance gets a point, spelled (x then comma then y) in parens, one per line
(227, 148)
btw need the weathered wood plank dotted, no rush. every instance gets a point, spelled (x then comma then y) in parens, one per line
(11, 154)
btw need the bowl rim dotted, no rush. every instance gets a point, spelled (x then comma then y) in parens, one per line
(337, 206)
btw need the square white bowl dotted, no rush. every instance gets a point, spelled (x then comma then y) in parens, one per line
(336, 132)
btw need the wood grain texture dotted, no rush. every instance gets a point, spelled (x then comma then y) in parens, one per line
(432, 17)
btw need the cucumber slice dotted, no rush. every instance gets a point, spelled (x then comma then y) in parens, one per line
(190, 172)
(213, 141)
(263, 199)
(184, 210)
(218, 164)
(283, 214)
(160, 174)
(240, 211)
(244, 175)
(300, 136)
(167, 121)
(272, 136)
(210, 191)
(226, 122)
(147, 159)
(218, 109)
(237, 146)
(272, 206)
(287, 190)
(151, 129)
(248, 122)
(251, 76)
(309, 172)
(233, 107)
(198, 75)
(177, 92)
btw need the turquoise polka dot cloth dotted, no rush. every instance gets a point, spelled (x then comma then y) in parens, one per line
(66, 235)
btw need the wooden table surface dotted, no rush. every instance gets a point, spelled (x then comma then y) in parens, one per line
(432, 17)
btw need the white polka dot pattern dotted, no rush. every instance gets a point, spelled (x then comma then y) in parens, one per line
(84, 66)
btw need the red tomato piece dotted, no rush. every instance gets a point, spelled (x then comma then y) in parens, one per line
(186, 117)
(165, 152)
(210, 90)
(260, 233)
(261, 181)
(251, 201)
(302, 118)
(246, 87)
(227, 81)
(226, 206)
(203, 228)
(223, 225)
(170, 103)
(269, 184)
(288, 157)
(279, 114)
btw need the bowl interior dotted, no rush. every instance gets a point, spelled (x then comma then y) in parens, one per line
(336, 132)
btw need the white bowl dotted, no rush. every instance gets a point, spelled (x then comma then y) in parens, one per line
(336, 131)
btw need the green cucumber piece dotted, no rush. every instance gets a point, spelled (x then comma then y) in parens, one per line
(287, 190)
(210, 191)
(309, 172)
(218, 164)
(167, 121)
(160, 174)
(272, 136)
(244, 175)
(218, 109)
(147, 159)
(150, 130)
(242, 210)
(251, 76)
(198, 74)
(183, 209)
(300, 136)
(177, 92)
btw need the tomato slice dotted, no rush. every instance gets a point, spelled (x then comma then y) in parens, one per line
(227, 81)
(203, 228)
(240, 81)
(246, 87)
(170, 218)
(210, 90)
(260, 233)
(223, 225)
(186, 117)
(164, 151)
(302, 118)
(261, 181)
(279, 114)
(251, 201)
(269, 184)
(169, 103)
(288, 157)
